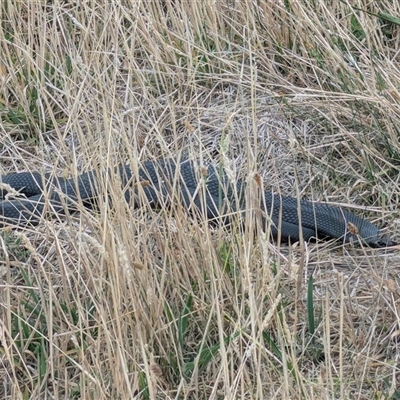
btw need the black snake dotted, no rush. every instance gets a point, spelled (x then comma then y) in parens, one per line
(207, 191)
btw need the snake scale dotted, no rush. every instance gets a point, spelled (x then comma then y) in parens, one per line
(207, 191)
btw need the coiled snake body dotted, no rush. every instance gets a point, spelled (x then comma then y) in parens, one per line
(207, 191)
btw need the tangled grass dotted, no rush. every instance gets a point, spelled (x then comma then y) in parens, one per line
(123, 304)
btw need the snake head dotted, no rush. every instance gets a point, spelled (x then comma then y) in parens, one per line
(364, 232)
(377, 241)
(382, 242)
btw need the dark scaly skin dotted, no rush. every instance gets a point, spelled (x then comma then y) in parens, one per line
(206, 192)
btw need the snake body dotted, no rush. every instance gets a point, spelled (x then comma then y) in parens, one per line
(207, 191)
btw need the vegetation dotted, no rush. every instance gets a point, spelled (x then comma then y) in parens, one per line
(116, 303)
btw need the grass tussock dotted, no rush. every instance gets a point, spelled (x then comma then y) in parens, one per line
(121, 303)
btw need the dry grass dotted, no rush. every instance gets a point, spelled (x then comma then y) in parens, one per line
(122, 304)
